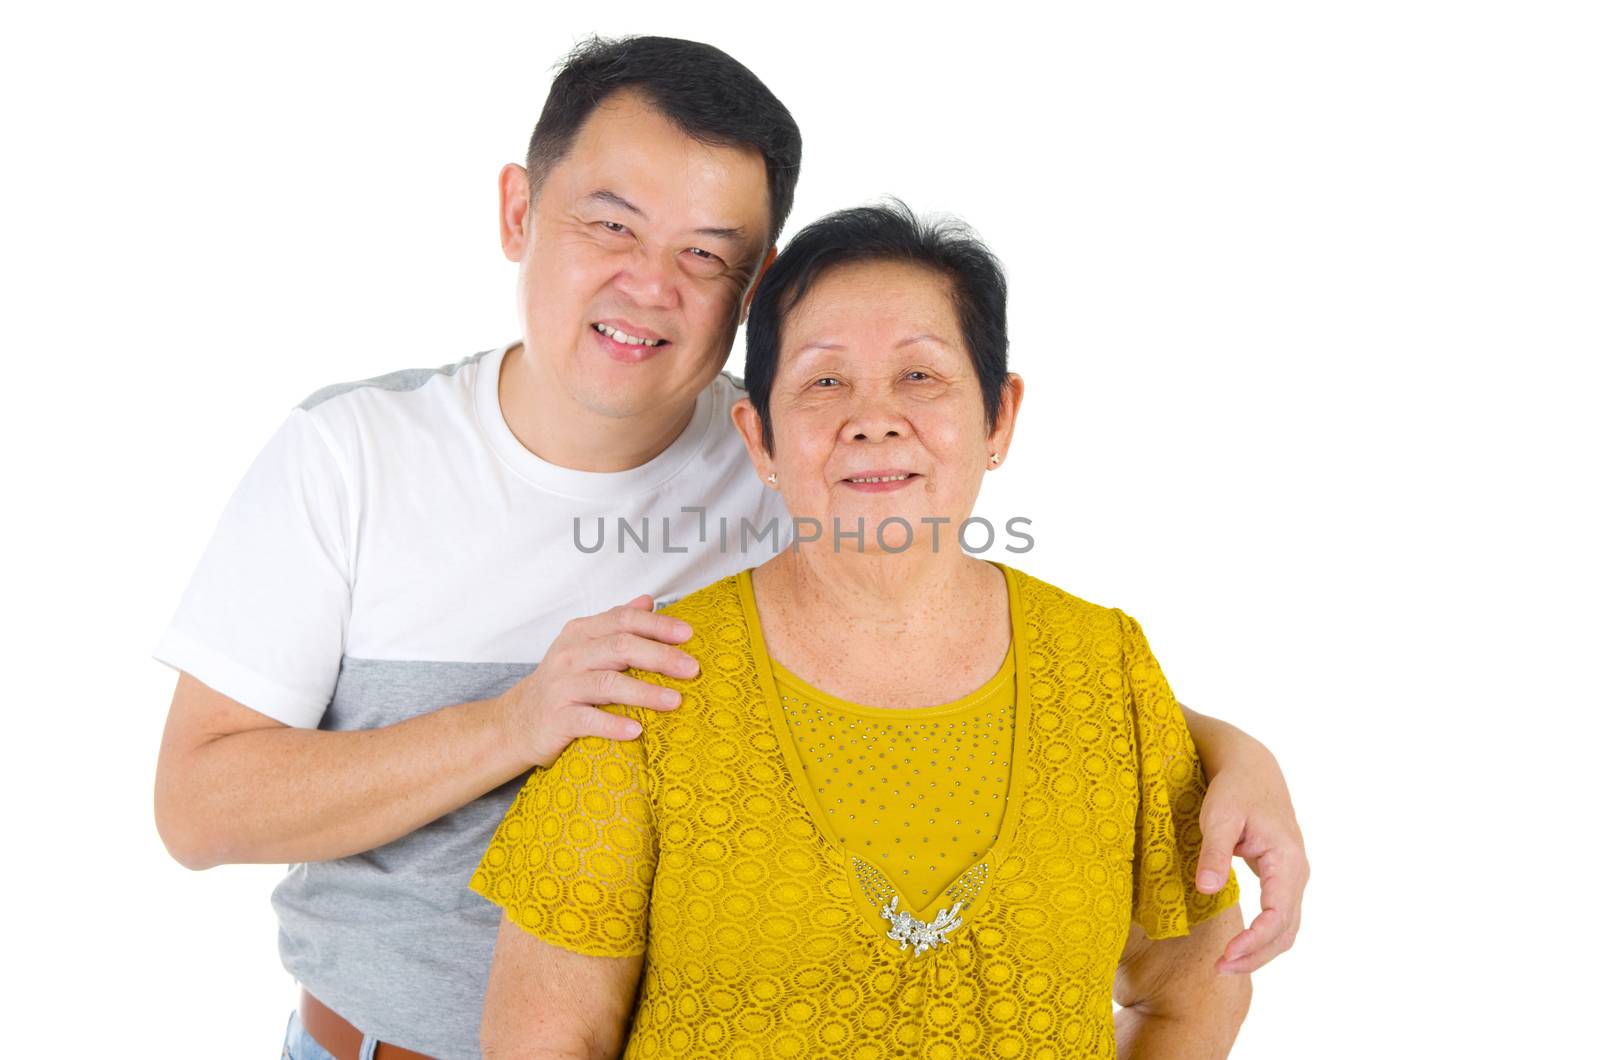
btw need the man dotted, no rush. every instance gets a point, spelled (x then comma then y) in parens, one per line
(358, 692)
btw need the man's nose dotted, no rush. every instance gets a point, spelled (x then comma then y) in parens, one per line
(649, 278)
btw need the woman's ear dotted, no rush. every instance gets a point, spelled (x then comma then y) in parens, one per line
(748, 421)
(1005, 420)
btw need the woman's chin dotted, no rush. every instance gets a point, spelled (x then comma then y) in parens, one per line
(875, 529)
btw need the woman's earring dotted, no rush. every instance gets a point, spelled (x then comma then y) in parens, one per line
(994, 458)
(772, 478)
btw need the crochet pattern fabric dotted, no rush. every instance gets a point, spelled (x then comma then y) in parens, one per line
(696, 846)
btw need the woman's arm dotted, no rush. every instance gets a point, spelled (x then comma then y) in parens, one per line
(1247, 812)
(1174, 1004)
(546, 1003)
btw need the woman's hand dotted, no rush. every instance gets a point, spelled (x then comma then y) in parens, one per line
(1247, 813)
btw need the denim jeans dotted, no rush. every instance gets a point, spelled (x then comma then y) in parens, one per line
(299, 1045)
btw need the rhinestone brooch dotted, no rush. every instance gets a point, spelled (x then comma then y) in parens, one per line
(921, 935)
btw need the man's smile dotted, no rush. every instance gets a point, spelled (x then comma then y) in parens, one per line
(625, 343)
(624, 337)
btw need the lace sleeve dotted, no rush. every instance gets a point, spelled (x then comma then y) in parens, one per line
(574, 858)
(1172, 785)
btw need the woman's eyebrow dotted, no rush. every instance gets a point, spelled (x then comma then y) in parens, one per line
(824, 345)
(921, 338)
(819, 345)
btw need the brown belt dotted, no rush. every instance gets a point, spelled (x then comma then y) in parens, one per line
(340, 1037)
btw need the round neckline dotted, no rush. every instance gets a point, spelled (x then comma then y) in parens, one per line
(570, 482)
(1003, 676)
(1021, 746)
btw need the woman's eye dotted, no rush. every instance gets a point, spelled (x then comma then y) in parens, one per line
(826, 379)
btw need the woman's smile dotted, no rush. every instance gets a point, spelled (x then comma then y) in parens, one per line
(880, 481)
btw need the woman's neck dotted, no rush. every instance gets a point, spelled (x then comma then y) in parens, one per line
(888, 629)
(903, 593)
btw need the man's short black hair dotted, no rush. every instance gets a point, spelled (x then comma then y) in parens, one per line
(706, 92)
(890, 232)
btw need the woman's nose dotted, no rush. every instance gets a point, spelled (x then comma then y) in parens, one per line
(876, 418)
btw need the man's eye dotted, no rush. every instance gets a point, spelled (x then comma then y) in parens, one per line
(704, 255)
(826, 379)
(614, 226)
(917, 373)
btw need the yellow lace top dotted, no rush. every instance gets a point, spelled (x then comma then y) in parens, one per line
(700, 845)
(920, 792)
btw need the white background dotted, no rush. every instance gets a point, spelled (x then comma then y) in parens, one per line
(1305, 299)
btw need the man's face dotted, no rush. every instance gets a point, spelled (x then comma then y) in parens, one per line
(639, 233)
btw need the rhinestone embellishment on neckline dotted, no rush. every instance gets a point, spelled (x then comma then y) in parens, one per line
(912, 932)
(921, 935)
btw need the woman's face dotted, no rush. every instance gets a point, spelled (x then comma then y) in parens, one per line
(874, 382)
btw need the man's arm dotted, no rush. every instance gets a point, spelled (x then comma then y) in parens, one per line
(1174, 1004)
(235, 786)
(1247, 812)
(547, 1003)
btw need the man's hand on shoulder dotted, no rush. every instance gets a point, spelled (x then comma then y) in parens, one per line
(1247, 813)
(233, 785)
(584, 670)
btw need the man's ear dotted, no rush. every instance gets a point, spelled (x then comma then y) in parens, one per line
(750, 295)
(749, 424)
(515, 211)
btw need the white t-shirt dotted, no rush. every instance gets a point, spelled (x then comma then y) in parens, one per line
(393, 550)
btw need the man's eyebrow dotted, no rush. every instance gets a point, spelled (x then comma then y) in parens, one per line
(732, 235)
(606, 195)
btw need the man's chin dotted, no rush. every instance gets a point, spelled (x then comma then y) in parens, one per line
(631, 402)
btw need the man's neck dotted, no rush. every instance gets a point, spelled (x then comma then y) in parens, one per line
(560, 432)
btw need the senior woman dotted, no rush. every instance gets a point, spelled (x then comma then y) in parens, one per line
(915, 803)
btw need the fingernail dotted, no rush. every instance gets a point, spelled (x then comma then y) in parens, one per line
(674, 697)
(633, 729)
(1210, 881)
(682, 629)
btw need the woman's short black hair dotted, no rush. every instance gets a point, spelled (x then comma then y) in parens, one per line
(889, 232)
(706, 92)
